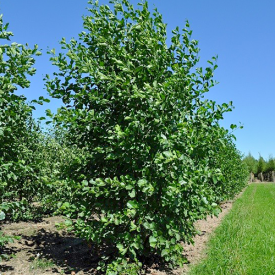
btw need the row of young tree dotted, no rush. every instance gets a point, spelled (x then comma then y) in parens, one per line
(136, 154)
(259, 165)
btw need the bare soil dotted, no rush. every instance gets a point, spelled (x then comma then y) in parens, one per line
(43, 249)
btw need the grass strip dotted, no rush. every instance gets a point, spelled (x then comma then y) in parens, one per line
(244, 243)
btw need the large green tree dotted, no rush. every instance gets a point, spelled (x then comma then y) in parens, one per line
(147, 140)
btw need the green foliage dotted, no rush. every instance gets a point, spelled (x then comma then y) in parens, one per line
(123, 267)
(41, 264)
(261, 165)
(251, 163)
(136, 156)
(232, 169)
(18, 168)
(30, 160)
(18, 133)
(150, 157)
(270, 164)
(4, 240)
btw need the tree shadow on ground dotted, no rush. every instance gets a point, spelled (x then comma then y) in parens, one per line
(67, 252)
(6, 253)
(72, 254)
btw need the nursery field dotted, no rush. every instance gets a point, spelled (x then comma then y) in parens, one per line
(244, 243)
(44, 247)
(134, 157)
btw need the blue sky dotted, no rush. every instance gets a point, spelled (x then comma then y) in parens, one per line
(241, 33)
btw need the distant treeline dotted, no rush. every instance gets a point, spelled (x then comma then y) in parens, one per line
(259, 165)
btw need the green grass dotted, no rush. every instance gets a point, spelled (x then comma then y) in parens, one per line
(244, 244)
(42, 264)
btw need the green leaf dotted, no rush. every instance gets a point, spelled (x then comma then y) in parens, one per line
(164, 252)
(217, 211)
(168, 154)
(215, 180)
(205, 201)
(121, 248)
(65, 205)
(102, 76)
(132, 204)
(153, 241)
(85, 183)
(142, 182)
(132, 194)
(2, 215)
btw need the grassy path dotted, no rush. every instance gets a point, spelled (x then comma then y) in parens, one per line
(244, 244)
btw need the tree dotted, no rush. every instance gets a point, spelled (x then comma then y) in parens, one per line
(261, 165)
(17, 127)
(134, 108)
(270, 165)
(251, 163)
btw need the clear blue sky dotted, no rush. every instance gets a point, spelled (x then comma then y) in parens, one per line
(241, 33)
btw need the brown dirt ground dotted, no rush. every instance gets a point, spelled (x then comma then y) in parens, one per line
(41, 242)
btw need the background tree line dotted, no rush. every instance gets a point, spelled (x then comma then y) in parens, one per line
(259, 165)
